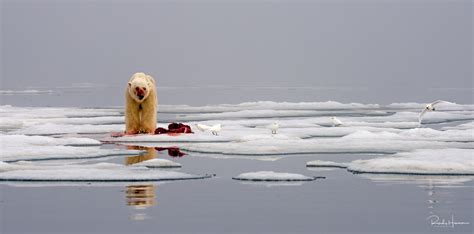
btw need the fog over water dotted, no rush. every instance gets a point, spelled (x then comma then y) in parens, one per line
(346, 50)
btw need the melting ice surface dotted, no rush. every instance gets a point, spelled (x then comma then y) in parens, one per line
(29, 133)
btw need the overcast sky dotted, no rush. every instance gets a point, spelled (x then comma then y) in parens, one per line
(376, 44)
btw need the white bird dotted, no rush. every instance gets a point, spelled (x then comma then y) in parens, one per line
(202, 127)
(215, 129)
(429, 107)
(274, 127)
(335, 122)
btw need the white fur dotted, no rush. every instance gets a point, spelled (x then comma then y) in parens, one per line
(140, 114)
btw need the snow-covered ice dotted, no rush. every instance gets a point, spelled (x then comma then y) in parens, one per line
(21, 147)
(432, 162)
(58, 129)
(158, 163)
(272, 176)
(100, 172)
(417, 162)
(304, 129)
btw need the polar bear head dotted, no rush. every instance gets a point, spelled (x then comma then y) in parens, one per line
(140, 86)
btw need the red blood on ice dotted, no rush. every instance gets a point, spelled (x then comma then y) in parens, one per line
(174, 128)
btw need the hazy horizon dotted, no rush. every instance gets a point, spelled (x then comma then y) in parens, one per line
(391, 50)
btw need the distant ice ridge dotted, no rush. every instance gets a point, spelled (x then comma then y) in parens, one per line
(58, 129)
(267, 105)
(100, 172)
(418, 162)
(420, 106)
(21, 147)
(27, 91)
(272, 176)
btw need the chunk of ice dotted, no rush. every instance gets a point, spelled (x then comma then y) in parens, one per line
(272, 176)
(418, 162)
(158, 163)
(427, 161)
(21, 147)
(100, 172)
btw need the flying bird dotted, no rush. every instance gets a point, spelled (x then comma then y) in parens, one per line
(336, 122)
(274, 127)
(215, 129)
(429, 107)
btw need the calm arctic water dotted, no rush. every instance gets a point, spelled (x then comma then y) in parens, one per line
(341, 203)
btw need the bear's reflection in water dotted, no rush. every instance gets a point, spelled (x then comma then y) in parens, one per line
(143, 196)
(150, 153)
(140, 196)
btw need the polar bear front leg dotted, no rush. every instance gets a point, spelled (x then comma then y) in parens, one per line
(148, 123)
(132, 118)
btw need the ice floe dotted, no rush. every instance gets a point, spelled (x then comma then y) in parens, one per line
(158, 163)
(442, 161)
(273, 146)
(418, 162)
(21, 147)
(272, 176)
(100, 172)
(58, 129)
(304, 128)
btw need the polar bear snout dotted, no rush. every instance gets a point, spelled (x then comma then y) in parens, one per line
(140, 93)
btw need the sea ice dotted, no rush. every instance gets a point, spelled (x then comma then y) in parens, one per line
(21, 147)
(100, 172)
(158, 163)
(272, 176)
(427, 161)
(417, 162)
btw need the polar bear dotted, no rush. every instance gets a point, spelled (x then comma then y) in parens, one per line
(141, 105)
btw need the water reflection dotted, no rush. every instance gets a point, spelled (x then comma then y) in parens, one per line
(140, 196)
(149, 154)
(172, 151)
(439, 189)
(143, 196)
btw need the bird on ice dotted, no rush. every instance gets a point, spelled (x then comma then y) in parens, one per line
(215, 129)
(274, 127)
(335, 122)
(429, 107)
(202, 127)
